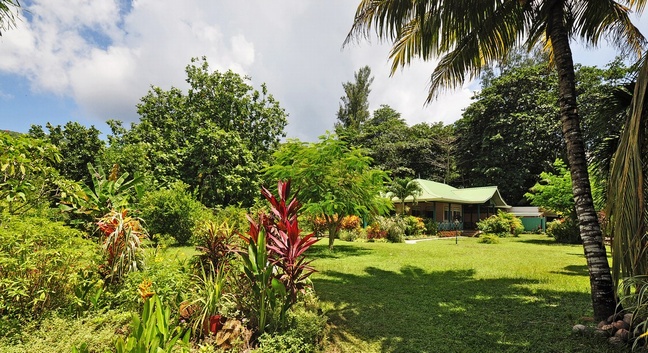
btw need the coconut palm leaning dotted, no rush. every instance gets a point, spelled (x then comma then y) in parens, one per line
(469, 34)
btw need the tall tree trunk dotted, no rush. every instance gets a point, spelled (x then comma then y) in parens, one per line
(602, 286)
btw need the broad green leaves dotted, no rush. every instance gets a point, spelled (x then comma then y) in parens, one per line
(27, 174)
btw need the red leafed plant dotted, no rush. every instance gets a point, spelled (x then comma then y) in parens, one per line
(286, 244)
(275, 261)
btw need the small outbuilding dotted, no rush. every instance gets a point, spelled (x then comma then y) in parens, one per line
(533, 218)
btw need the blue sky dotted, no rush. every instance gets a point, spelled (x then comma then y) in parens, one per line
(91, 60)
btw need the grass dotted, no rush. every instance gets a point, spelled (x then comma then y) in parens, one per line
(522, 295)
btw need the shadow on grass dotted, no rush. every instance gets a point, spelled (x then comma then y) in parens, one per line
(451, 311)
(339, 251)
(546, 241)
(574, 270)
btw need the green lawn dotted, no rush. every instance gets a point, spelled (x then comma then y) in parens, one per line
(521, 295)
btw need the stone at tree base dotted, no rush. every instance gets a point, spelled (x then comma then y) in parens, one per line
(615, 341)
(622, 334)
(627, 318)
(579, 329)
(620, 324)
(601, 324)
(615, 317)
(608, 327)
(602, 333)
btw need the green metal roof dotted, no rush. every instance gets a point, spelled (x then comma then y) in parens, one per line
(433, 191)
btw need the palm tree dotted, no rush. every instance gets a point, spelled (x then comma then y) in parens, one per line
(8, 13)
(627, 206)
(469, 34)
(403, 188)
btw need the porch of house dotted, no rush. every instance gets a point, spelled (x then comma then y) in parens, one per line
(452, 216)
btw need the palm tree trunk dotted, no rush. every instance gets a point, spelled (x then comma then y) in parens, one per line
(602, 286)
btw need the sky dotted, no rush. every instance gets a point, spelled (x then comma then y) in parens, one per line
(92, 60)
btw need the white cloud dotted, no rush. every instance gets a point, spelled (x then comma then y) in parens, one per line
(6, 96)
(105, 58)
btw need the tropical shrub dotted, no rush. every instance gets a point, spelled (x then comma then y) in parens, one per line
(207, 298)
(489, 239)
(172, 211)
(39, 265)
(318, 225)
(414, 225)
(375, 232)
(216, 244)
(431, 226)
(502, 224)
(259, 271)
(564, 231)
(235, 217)
(152, 332)
(350, 235)
(305, 331)
(169, 277)
(108, 192)
(27, 173)
(390, 228)
(287, 245)
(60, 333)
(350, 222)
(122, 237)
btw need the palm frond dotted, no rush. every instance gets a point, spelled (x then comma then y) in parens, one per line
(599, 19)
(637, 5)
(8, 14)
(468, 33)
(626, 194)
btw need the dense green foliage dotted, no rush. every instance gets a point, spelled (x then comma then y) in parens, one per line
(78, 145)
(214, 137)
(41, 263)
(171, 212)
(510, 133)
(553, 191)
(423, 150)
(28, 178)
(60, 333)
(501, 224)
(564, 231)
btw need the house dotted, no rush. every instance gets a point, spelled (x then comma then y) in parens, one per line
(453, 208)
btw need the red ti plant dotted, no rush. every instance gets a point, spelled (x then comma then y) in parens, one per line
(287, 246)
(273, 243)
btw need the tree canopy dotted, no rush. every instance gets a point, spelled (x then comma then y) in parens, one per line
(333, 179)
(354, 108)
(510, 133)
(78, 145)
(215, 137)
